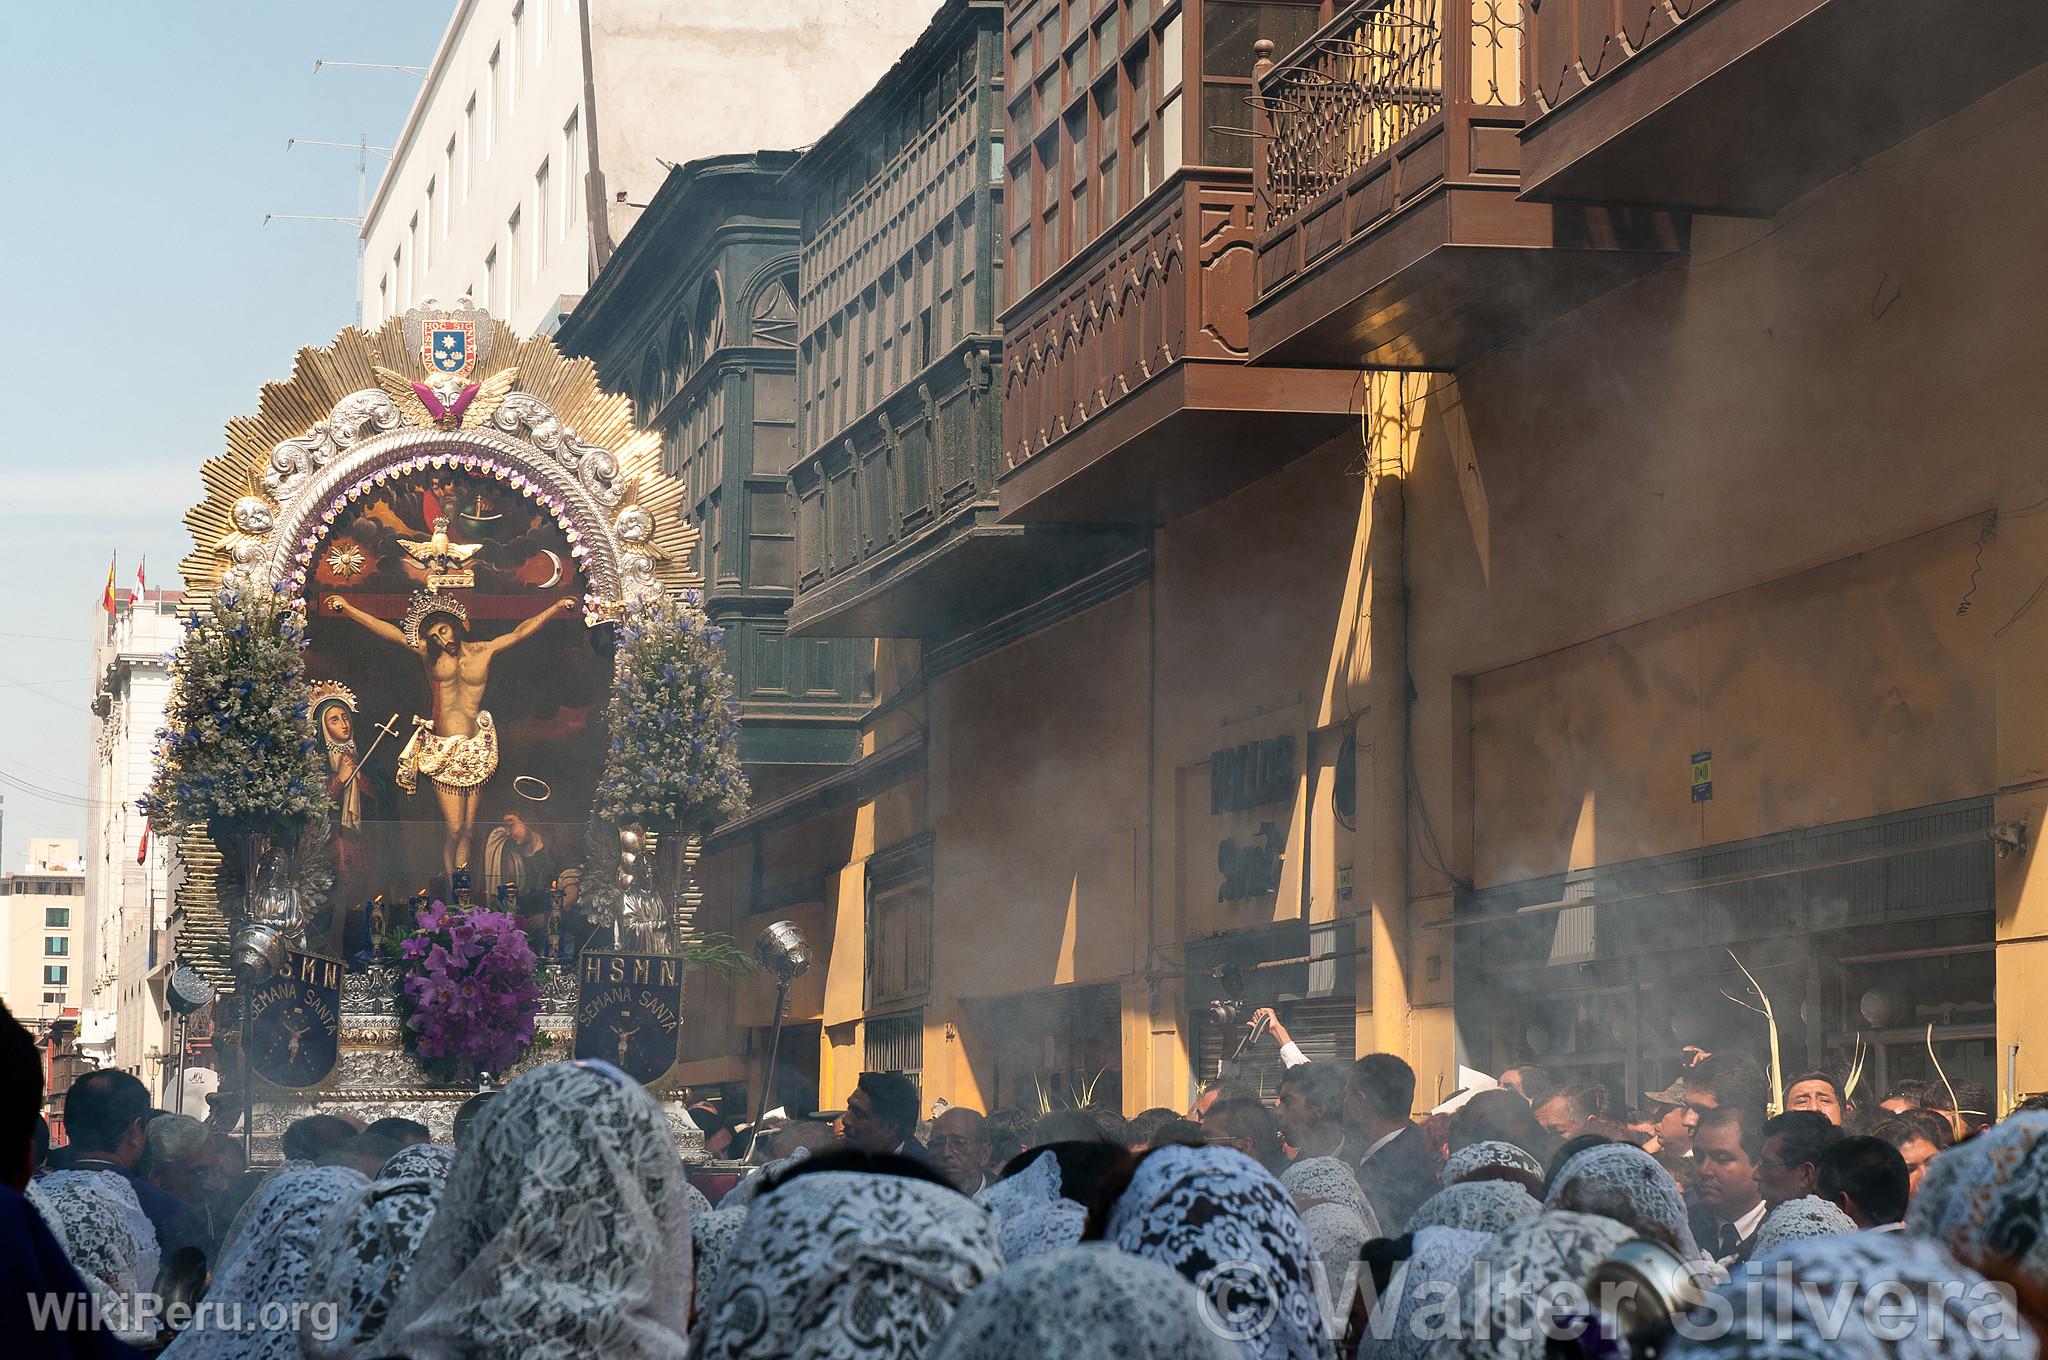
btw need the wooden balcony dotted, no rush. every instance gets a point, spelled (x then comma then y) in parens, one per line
(1392, 232)
(1741, 106)
(1126, 399)
(897, 532)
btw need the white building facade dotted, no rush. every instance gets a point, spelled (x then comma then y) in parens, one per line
(545, 125)
(42, 932)
(127, 938)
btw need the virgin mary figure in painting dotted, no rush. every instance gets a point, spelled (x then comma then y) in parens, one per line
(358, 800)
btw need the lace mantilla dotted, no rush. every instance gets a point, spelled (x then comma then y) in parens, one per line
(1078, 1302)
(1227, 1226)
(843, 1265)
(564, 1230)
(1807, 1216)
(1625, 1183)
(366, 1249)
(1477, 1157)
(1988, 1198)
(1482, 1206)
(110, 1241)
(266, 1270)
(1813, 1299)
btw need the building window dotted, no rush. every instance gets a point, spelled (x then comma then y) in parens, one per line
(540, 29)
(899, 922)
(494, 108)
(57, 918)
(468, 147)
(56, 946)
(512, 59)
(492, 302)
(383, 297)
(56, 975)
(412, 251)
(428, 243)
(512, 264)
(447, 178)
(398, 273)
(53, 998)
(572, 169)
(544, 216)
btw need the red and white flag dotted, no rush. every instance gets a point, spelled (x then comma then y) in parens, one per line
(140, 584)
(142, 850)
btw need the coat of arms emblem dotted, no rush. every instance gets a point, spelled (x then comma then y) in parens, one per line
(451, 342)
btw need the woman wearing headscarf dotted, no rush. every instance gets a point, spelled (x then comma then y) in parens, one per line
(1492, 1159)
(834, 1265)
(711, 1238)
(1857, 1296)
(1031, 1213)
(1227, 1226)
(1418, 1306)
(1987, 1201)
(249, 1310)
(366, 1249)
(1482, 1206)
(110, 1241)
(1333, 1208)
(1510, 1274)
(1626, 1184)
(564, 1231)
(1807, 1216)
(1087, 1302)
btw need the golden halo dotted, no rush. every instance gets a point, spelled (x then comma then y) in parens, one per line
(522, 782)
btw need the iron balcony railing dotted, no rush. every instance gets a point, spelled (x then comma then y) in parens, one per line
(1372, 80)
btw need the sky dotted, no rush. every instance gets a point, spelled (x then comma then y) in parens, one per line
(148, 302)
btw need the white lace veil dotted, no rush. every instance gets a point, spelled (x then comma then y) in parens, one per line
(110, 1241)
(1863, 1296)
(1549, 1248)
(711, 1239)
(1476, 1157)
(366, 1249)
(1226, 1225)
(845, 1265)
(1087, 1302)
(1807, 1216)
(1625, 1183)
(563, 1231)
(1483, 1206)
(1404, 1318)
(264, 1272)
(1988, 1198)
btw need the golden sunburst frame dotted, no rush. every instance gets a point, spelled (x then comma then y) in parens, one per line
(438, 386)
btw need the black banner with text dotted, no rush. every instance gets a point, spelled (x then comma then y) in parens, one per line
(295, 1021)
(629, 1011)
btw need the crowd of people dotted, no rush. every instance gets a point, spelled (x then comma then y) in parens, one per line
(1330, 1222)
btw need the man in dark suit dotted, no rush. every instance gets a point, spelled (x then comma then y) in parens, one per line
(1728, 1145)
(1396, 1170)
(881, 1116)
(106, 1114)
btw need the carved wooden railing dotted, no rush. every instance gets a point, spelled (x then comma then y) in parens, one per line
(1576, 42)
(1171, 284)
(1373, 80)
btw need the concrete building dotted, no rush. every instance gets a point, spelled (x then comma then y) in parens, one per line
(546, 126)
(127, 945)
(41, 937)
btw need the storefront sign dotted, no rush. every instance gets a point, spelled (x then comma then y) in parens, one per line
(1703, 777)
(1257, 774)
(629, 1008)
(1250, 868)
(294, 1021)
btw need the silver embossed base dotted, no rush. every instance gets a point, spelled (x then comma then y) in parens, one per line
(375, 1078)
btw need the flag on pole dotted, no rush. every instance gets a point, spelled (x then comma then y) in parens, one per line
(141, 585)
(108, 602)
(142, 850)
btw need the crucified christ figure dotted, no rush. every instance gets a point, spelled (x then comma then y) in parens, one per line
(458, 752)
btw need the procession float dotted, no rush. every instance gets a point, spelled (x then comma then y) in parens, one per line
(445, 724)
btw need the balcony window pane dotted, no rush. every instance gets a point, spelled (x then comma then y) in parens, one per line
(1171, 132)
(1230, 27)
(1170, 54)
(1226, 125)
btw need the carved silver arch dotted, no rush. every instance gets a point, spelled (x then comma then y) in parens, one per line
(309, 477)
